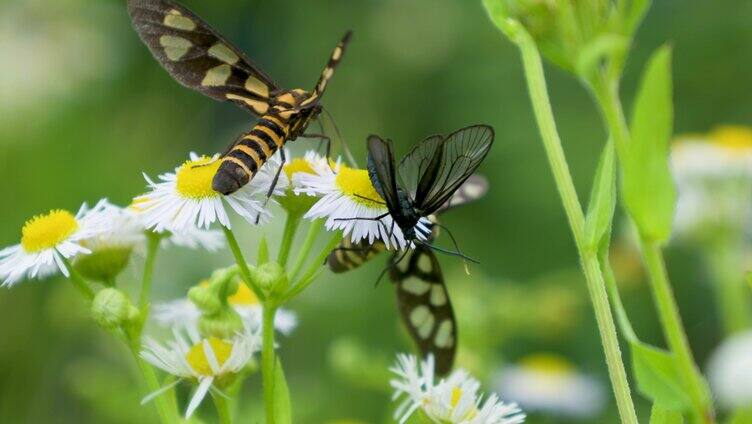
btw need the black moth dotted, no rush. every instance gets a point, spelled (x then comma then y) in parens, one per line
(428, 175)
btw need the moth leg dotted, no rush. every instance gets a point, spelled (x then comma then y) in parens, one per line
(370, 200)
(327, 143)
(273, 185)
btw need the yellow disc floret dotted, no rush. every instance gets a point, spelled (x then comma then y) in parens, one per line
(547, 363)
(243, 297)
(194, 178)
(356, 185)
(733, 137)
(298, 165)
(196, 356)
(456, 397)
(47, 231)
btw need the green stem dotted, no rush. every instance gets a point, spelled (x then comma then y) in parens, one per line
(310, 274)
(313, 231)
(291, 227)
(606, 92)
(668, 313)
(613, 293)
(223, 409)
(242, 264)
(268, 360)
(152, 247)
(538, 93)
(167, 415)
(78, 280)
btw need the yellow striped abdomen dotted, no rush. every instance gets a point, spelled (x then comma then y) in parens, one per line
(253, 150)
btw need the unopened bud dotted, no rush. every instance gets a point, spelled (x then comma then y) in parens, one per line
(111, 309)
(271, 277)
(104, 264)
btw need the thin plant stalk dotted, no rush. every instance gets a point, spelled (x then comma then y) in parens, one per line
(313, 231)
(153, 240)
(312, 271)
(223, 408)
(268, 360)
(77, 280)
(538, 93)
(732, 295)
(242, 264)
(291, 227)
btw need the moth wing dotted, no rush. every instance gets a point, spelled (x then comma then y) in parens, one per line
(198, 57)
(424, 306)
(462, 153)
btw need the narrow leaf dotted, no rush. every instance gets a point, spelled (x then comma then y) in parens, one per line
(263, 251)
(659, 415)
(602, 200)
(282, 408)
(648, 187)
(637, 11)
(658, 377)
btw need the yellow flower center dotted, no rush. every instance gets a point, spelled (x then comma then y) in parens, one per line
(356, 185)
(194, 178)
(547, 363)
(733, 137)
(196, 356)
(298, 165)
(47, 231)
(455, 400)
(243, 297)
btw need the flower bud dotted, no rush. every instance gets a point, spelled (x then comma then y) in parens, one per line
(271, 277)
(104, 264)
(111, 309)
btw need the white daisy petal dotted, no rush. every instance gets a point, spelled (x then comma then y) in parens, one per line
(198, 395)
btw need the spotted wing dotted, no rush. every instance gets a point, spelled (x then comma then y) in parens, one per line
(424, 306)
(444, 165)
(199, 57)
(382, 173)
(348, 255)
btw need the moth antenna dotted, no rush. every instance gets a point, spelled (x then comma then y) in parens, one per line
(345, 147)
(457, 247)
(446, 252)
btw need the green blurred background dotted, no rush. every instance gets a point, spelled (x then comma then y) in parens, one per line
(84, 109)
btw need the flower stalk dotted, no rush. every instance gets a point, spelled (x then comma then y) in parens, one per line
(78, 280)
(268, 360)
(242, 264)
(152, 239)
(538, 92)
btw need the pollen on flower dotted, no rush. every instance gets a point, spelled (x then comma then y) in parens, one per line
(298, 165)
(48, 230)
(243, 297)
(356, 185)
(733, 137)
(547, 363)
(196, 356)
(194, 178)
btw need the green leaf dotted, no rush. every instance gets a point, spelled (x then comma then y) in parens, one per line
(602, 200)
(648, 186)
(637, 11)
(282, 408)
(658, 377)
(661, 416)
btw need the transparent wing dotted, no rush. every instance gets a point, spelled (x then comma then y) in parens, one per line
(199, 57)
(424, 306)
(382, 173)
(419, 163)
(461, 154)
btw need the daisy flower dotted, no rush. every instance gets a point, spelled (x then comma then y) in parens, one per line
(350, 203)
(730, 371)
(47, 242)
(209, 362)
(185, 198)
(183, 313)
(550, 384)
(451, 400)
(713, 174)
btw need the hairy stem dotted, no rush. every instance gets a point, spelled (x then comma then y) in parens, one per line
(242, 264)
(538, 93)
(314, 268)
(291, 227)
(153, 240)
(313, 232)
(78, 280)
(268, 360)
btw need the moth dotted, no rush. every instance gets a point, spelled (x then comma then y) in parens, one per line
(427, 176)
(200, 58)
(423, 301)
